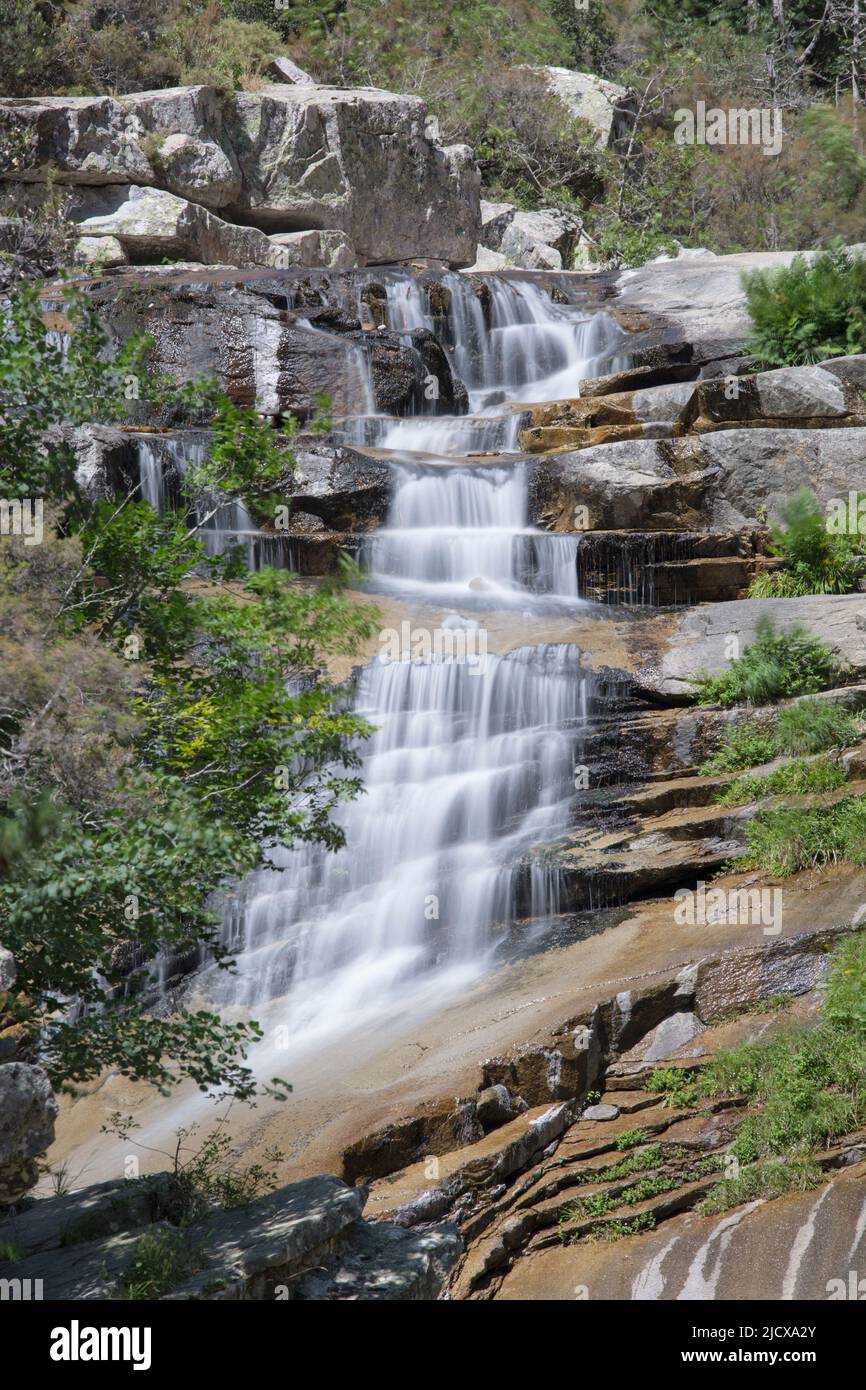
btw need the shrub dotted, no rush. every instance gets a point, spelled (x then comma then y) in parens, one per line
(815, 561)
(773, 667)
(794, 779)
(743, 745)
(677, 1086)
(806, 313)
(813, 726)
(845, 996)
(26, 53)
(618, 1230)
(786, 840)
(631, 1139)
(116, 47)
(223, 52)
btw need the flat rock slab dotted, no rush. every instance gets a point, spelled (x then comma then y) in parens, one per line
(700, 638)
(600, 1112)
(307, 1240)
(700, 296)
(798, 1247)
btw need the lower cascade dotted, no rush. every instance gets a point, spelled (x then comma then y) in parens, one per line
(472, 761)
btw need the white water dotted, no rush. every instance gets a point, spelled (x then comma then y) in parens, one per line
(231, 524)
(471, 764)
(466, 770)
(460, 535)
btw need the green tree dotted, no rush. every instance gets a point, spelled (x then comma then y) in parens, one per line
(199, 684)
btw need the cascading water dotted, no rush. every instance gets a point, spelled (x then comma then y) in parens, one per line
(522, 348)
(471, 764)
(163, 462)
(460, 535)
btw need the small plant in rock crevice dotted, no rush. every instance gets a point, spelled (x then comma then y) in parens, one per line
(797, 778)
(814, 561)
(677, 1087)
(764, 1181)
(773, 667)
(161, 1261)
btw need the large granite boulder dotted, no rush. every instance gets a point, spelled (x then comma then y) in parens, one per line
(730, 479)
(291, 157)
(607, 107)
(626, 485)
(360, 161)
(27, 1114)
(151, 224)
(759, 469)
(347, 489)
(542, 240)
(827, 394)
(700, 637)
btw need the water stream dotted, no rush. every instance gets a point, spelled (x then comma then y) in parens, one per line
(471, 764)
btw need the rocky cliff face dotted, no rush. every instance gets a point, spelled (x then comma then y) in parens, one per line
(289, 158)
(27, 1105)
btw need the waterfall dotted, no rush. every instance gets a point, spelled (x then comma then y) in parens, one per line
(163, 463)
(468, 768)
(471, 765)
(460, 534)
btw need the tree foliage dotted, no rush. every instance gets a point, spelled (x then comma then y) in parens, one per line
(162, 716)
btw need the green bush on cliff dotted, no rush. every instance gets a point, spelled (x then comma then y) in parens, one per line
(786, 840)
(799, 730)
(807, 312)
(743, 745)
(774, 667)
(815, 561)
(813, 726)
